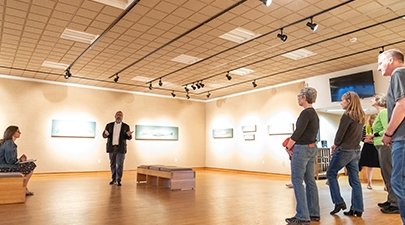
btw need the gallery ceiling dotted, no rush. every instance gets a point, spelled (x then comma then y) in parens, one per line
(167, 46)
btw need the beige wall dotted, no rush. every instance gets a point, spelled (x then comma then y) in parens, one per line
(277, 106)
(32, 106)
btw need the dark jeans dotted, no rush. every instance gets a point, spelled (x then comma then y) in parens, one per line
(116, 165)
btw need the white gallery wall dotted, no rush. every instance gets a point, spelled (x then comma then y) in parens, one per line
(33, 105)
(276, 107)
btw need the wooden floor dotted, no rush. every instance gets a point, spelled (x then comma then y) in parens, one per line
(219, 198)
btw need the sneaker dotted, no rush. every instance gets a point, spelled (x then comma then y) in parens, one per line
(390, 210)
(119, 183)
(289, 185)
(384, 204)
(295, 221)
(112, 182)
(315, 218)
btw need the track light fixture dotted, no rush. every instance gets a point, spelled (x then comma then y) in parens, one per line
(382, 49)
(282, 36)
(187, 96)
(160, 82)
(193, 87)
(198, 85)
(266, 2)
(312, 25)
(150, 86)
(228, 76)
(67, 73)
(208, 95)
(201, 84)
(173, 94)
(116, 78)
(254, 83)
(186, 89)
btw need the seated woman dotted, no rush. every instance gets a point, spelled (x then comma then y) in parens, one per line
(8, 157)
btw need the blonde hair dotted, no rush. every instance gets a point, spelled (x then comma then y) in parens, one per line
(354, 109)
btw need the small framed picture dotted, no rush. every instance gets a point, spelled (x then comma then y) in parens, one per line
(249, 137)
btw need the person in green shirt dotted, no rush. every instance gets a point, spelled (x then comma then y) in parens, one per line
(384, 153)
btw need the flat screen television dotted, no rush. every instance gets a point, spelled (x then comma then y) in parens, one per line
(361, 83)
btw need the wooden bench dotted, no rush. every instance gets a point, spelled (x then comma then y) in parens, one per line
(12, 188)
(176, 178)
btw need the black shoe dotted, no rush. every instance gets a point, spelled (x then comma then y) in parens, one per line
(315, 218)
(384, 204)
(338, 207)
(112, 182)
(390, 210)
(119, 183)
(353, 213)
(295, 221)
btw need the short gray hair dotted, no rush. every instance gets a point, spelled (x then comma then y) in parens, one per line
(309, 93)
(380, 100)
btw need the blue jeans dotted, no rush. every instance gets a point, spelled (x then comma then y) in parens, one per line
(398, 175)
(116, 165)
(302, 169)
(350, 160)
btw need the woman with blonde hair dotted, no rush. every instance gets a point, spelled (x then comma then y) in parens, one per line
(8, 157)
(369, 154)
(346, 153)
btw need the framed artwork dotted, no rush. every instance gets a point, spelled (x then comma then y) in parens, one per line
(249, 128)
(281, 129)
(249, 137)
(73, 128)
(222, 133)
(144, 132)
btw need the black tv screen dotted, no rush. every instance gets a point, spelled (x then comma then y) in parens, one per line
(361, 83)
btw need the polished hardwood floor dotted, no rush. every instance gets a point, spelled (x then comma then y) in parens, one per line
(220, 197)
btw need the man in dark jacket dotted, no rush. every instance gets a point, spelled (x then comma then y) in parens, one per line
(117, 134)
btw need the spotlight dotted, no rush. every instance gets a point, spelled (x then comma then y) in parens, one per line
(160, 82)
(266, 2)
(116, 78)
(186, 89)
(187, 96)
(198, 85)
(282, 36)
(150, 86)
(201, 84)
(312, 25)
(173, 94)
(208, 95)
(382, 49)
(228, 76)
(193, 87)
(67, 73)
(254, 83)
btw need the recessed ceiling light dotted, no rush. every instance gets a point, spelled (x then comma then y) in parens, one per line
(299, 54)
(241, 71)
(79, 36)
(121, 4)
(54, 65)
(353, 40)
(186, 59)
(239, 35)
